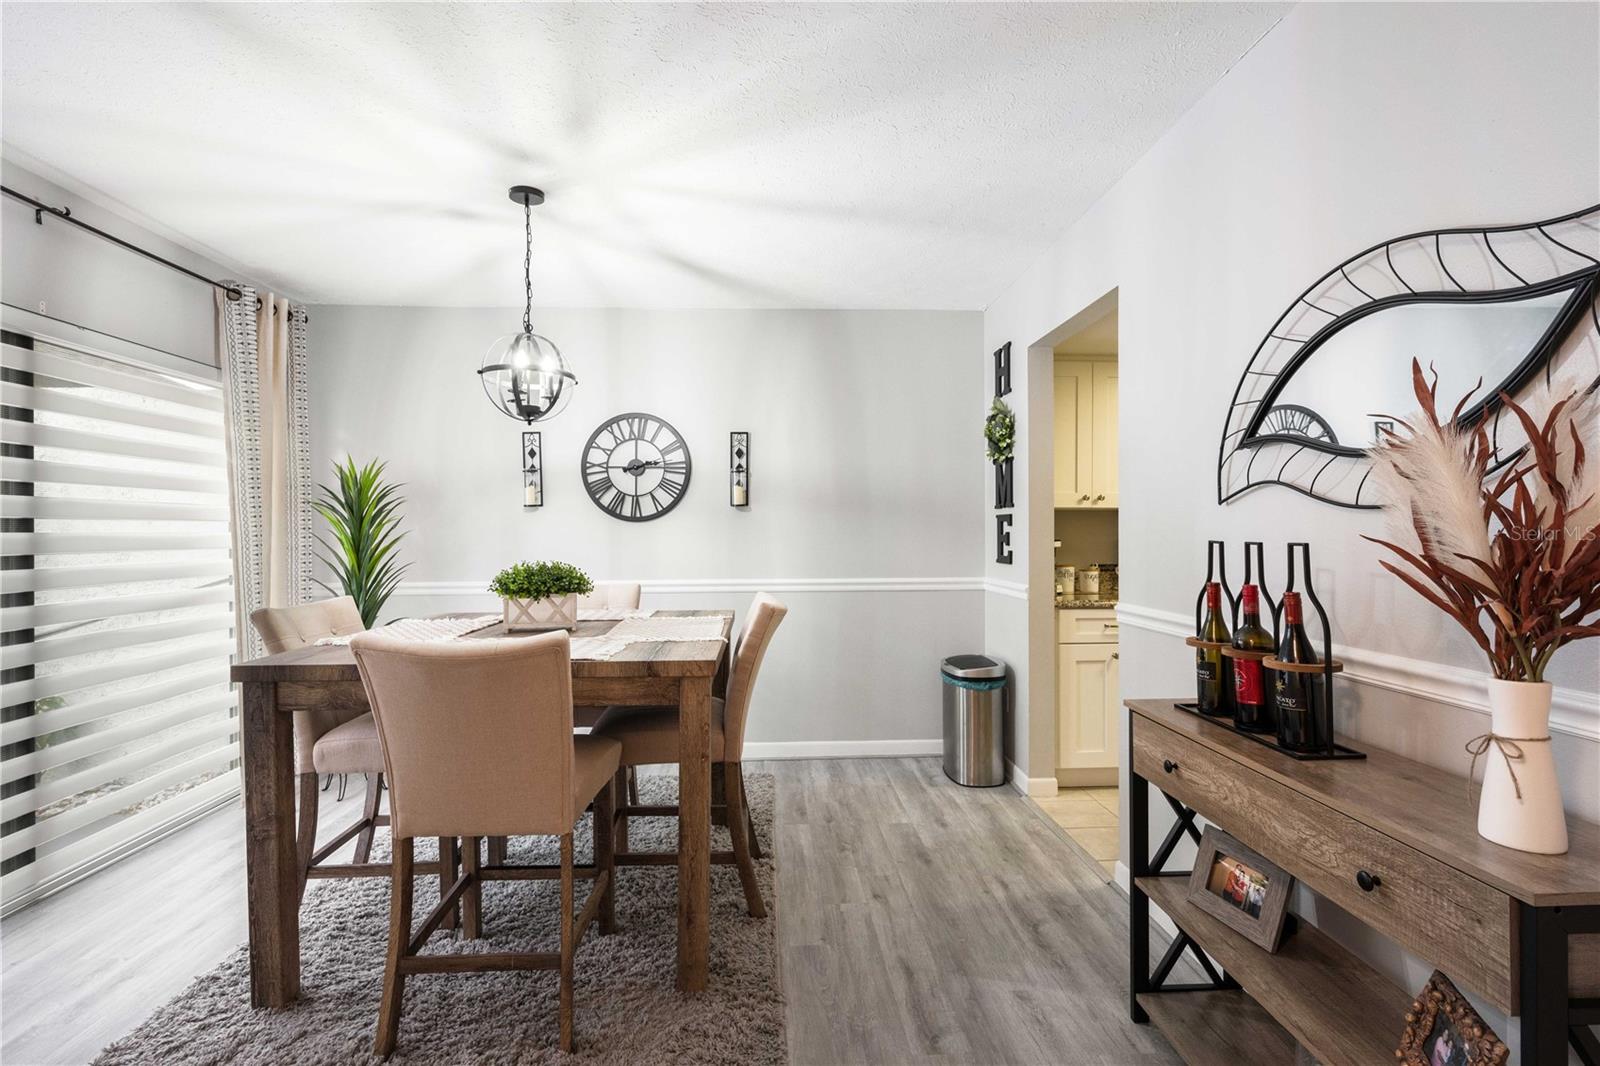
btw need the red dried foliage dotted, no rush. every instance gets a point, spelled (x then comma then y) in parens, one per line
(1540, 589)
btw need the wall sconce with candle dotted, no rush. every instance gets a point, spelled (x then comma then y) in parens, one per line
(532, 470)
(739, 468)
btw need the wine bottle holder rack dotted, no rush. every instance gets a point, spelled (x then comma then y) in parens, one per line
(1255, 574)
(1268, 740)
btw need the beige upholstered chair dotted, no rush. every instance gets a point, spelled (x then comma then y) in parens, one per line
(477, 742)
(651, 736)
(614, 595)
(330, 740)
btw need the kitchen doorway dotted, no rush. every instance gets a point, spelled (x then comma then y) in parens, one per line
(1087, 657)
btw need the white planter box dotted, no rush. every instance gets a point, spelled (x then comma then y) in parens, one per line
(547, 613)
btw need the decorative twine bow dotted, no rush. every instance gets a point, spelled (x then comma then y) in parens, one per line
(1510, 750)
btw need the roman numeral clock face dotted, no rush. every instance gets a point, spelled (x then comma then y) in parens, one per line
(636, 467)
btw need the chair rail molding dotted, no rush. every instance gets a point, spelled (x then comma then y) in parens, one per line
(1573, 712)
(1016, 590)
(675, 586)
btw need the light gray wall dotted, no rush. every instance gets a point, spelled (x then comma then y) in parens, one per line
(1347, 124)
(80, 278)
(866, 483)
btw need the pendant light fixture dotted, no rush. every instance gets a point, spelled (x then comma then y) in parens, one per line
(524, 374)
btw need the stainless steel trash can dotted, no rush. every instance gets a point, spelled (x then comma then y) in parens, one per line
(974, 720)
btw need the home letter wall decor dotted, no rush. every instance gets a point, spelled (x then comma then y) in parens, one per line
(1004, 494)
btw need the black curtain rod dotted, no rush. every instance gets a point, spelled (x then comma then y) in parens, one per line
(65, 215)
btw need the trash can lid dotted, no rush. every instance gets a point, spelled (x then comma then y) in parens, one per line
(973, 666)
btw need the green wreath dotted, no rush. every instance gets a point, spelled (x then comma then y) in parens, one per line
(1000, 431)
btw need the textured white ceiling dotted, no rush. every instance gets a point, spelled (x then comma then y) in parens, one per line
(867, 156)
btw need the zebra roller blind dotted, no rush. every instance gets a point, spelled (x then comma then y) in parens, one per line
(117, 720)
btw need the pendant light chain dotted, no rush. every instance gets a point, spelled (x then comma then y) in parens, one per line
(527, 267)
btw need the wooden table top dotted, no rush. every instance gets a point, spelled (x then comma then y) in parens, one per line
(1419, 805)
(675, 658)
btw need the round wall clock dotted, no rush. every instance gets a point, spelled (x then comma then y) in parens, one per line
(636, 467)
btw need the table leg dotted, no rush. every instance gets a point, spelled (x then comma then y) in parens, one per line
(270, 869)
(694, 831)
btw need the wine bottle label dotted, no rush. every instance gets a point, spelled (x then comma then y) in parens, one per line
(1206, 669)
(1290, 697)
(1247, 680)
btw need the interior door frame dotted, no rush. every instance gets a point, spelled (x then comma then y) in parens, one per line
(1039, 524)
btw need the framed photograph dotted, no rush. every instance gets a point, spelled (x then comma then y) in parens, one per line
(1240, 889)
(1442, 1029)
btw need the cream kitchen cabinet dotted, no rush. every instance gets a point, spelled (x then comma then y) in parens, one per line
(1087, 708)
(1086, 432)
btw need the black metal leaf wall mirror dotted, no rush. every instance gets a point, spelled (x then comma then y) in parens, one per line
(1503, 305)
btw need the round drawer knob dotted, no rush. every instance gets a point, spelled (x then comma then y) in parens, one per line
(1169, 766)
(1368, 881)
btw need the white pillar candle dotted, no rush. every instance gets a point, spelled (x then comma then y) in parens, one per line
(740, 495)
(531, 496)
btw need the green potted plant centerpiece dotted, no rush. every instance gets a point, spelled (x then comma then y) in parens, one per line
(541, 595)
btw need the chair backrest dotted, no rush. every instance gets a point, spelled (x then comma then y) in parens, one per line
(476, 734)
(759, 625)
(288, 628)
(616, 595)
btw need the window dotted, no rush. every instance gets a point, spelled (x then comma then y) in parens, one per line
(117, 720)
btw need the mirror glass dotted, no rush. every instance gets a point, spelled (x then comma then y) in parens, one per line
(1362, 374)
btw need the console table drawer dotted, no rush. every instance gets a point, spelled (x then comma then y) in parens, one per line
(1450, 918)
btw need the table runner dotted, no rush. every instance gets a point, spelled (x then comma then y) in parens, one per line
(646, 630)
(428, 628)
(637, 627)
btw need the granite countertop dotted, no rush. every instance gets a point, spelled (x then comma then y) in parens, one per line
(1082, 602)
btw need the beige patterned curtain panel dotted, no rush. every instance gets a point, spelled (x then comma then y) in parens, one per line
(263, 346)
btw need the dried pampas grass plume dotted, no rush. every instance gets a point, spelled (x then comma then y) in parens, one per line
(1513, 556)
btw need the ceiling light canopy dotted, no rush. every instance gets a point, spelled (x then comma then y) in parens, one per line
(523, 374)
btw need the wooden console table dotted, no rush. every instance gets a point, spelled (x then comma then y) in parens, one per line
(1392, 842)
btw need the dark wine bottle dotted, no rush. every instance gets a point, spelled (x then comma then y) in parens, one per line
(1252, 709)
(1303, 720)
(1214, 683)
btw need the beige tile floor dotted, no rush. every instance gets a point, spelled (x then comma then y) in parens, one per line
(1089, 816)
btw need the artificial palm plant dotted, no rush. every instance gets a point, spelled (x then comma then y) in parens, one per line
(363, 514)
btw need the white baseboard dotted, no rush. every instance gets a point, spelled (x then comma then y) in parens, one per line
(1032, 787)
(840, 749)
(1572, 711)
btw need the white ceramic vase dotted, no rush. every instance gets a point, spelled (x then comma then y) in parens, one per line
(1520, 712)
(548, 613)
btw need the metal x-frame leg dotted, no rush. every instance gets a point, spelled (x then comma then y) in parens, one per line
(1141, 977)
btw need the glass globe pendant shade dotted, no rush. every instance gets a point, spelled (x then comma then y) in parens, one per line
(526, 377)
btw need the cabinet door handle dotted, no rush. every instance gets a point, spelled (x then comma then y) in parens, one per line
(1084, 498)
(1097, 499)
(1169, 766)
(1116, 655)
(1367, 881)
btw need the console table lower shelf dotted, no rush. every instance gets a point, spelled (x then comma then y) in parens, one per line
(1222, 1028)
(1314, 991)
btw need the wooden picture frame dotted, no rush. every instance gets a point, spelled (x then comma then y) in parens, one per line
(1440, 1012)
(1240, 889)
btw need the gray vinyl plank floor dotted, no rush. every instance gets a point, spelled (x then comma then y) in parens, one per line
(918, 922)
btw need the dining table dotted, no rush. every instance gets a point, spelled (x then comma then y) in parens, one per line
(666, 673)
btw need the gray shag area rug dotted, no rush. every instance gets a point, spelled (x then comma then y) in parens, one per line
(627, 1009)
